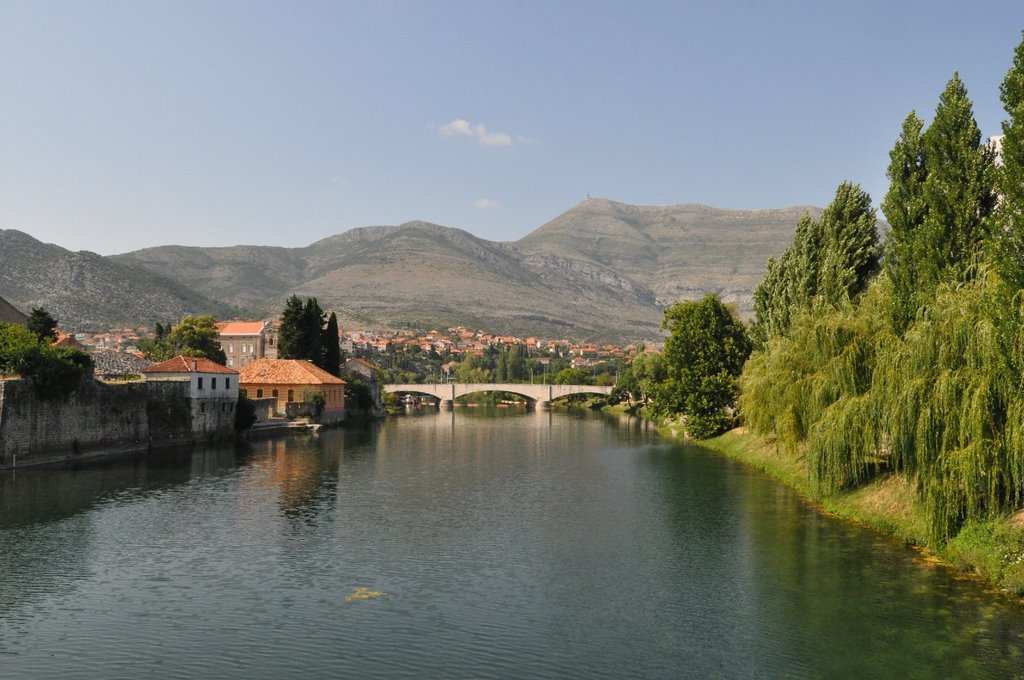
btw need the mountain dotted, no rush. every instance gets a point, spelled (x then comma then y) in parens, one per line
(86, 291)
(602, 270)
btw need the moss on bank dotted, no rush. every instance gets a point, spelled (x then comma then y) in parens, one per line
(992, 549)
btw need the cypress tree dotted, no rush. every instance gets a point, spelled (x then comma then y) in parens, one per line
(311, 345)
(332, 349)
(289, 344)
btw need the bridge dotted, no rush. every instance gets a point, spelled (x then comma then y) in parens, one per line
(541, 395)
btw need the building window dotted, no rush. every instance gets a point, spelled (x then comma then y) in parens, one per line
(227, 383)
(274, 394)
(231, 362)
(259, 394)
(202, 408)
(213, 383)
(200, 382)
(231, 348)
(291, 395)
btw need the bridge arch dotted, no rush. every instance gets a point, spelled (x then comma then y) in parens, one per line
(542, 395)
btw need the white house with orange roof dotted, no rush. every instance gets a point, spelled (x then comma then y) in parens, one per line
(213, 391)
(246, 341)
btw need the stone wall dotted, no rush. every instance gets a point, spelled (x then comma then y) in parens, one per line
(101, 418)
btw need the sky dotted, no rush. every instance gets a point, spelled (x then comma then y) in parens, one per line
(125, 125)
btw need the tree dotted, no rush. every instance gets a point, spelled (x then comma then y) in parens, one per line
(53, 372)
(704, 355)
(905, 209)
(849, 246)
(959, 191)
(194, 336)
(331, 347)
(1008, 241)
(290, 335)
(42, 324)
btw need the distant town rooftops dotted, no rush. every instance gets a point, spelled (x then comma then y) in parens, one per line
(183, 364)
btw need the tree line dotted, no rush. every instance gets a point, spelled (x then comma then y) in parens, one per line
(905, 354)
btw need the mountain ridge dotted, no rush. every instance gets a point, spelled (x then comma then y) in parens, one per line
(600, 270)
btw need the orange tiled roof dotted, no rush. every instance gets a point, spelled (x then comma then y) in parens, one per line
(183, 364)
(240, 327)
(285, 372)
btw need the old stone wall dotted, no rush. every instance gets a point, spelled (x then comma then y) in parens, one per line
(95, 417)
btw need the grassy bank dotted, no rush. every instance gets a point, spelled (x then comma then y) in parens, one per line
(992, 549)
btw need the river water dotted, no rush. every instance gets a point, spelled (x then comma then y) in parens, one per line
(473, 544)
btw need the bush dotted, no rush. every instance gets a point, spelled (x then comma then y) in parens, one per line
(245, 413)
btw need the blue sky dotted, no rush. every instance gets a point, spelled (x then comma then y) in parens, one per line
(131, 124)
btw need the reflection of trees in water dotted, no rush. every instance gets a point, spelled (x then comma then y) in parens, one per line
(46, 531)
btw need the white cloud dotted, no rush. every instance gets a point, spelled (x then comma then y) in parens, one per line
(485, 203)
(462, 127)
(457, 127)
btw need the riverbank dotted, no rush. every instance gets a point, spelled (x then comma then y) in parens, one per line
(992, 550)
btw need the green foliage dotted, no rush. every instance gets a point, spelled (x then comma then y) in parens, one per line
(331, 347)
(905, 209)
(959, 191)
(358, 394)
(194, 336)
(830, 260)
(307, 333)
(571, 376)
(42, 324)
(1008, 242)
(245, 413)
(704, 354)
(53, 372)
(315, 399)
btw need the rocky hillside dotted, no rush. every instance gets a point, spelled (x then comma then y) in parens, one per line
(601, 270)
(86, 291)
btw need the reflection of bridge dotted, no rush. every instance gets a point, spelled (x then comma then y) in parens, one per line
(541, 395)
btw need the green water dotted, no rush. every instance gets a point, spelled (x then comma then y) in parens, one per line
(490, 544)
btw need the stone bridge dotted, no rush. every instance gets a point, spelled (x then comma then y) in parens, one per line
(541, 395)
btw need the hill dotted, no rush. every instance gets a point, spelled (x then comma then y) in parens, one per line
(86, 291)
(602, 270)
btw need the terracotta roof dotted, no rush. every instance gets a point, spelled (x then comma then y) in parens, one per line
(183, 364)
(240, 327)
(285, 372)
(65, 340)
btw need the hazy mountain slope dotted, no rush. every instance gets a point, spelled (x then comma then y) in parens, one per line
(601, 270)
(86, 291)
(678, 252)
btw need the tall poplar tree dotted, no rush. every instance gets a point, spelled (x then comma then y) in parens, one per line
(905, 209)
(959, 191)
(849, 251)
(1009, 234)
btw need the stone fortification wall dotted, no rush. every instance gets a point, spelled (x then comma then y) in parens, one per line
(95, 417)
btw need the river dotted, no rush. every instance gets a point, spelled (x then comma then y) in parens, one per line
(489, 543)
